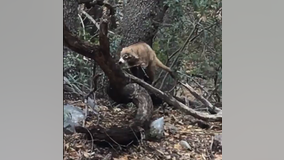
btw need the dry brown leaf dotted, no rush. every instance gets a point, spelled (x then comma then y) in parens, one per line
(198, 130)
(67, 146)
(161, 152)
(166, 134)
(178, 146)
(203, 18)
(177, 135)
(79, 146)
(73, 154)
(125, 157)
(86, 154)
(103, 108)
(171, 138)
(189, 126)
(193, 134)
(218, 157)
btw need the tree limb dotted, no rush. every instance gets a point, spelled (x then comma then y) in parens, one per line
(200, 97)
(99, 53)
(172, 101)
(92, 20)
(74, 43)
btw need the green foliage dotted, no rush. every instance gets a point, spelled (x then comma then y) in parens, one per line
(204, 54)
(85, 35)
(79, 70)
(176, 8)
(203, 6)
(114, 43)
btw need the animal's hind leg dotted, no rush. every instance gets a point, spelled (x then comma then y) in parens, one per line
(151, 73)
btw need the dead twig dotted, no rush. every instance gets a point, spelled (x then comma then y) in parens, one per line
(200, 97)
(91, 18)
(172, 101)
(199, 85)
(83, 26)
(95, 87)
(92, 138)
(136, 136)
(93, 3)
(94, 21)
(192, 79)
(215, 89)
(113, 141)
(108, 156)
(86, 114)
(189, 39)
(172, 55)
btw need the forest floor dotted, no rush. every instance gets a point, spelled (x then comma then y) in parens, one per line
(178, 127)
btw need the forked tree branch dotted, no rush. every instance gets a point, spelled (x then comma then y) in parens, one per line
(172, 101)
(99, 53)
(92, 20)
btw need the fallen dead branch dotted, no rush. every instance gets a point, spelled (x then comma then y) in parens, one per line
(114, 136)
(201, 98)
(172, 101)
(185, 100)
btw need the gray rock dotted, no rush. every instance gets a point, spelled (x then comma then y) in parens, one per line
(185, 145)
(216, 145)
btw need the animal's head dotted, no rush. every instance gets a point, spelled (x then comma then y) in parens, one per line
(127, 55)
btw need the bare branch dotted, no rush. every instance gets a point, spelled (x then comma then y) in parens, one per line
(94, 21)
(98, 2)
(200, 97)
(83, 26)
(100, 53)
(189, 39)
(91, 18)
(172, 101)
(76, 44)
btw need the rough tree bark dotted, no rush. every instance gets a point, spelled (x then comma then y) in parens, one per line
(119, 83)
(140, 23)
(70, 14)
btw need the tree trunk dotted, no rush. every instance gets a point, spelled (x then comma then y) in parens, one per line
(70, 14)
(138, 26)
(141, 21)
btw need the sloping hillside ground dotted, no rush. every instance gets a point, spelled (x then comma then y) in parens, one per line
(178, 127)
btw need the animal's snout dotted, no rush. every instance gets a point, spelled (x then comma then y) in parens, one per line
(121, 61)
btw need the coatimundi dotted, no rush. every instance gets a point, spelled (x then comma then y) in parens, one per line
(141, 54)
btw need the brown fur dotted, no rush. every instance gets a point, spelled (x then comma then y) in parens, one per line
(141, 54)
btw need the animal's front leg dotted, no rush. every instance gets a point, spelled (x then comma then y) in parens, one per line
(151, 73)
(144, 65)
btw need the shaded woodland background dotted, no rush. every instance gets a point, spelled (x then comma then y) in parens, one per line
(186, 35)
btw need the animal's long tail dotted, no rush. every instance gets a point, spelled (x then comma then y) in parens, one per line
(162, 66)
